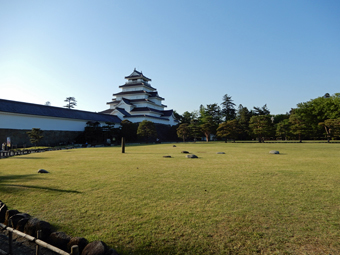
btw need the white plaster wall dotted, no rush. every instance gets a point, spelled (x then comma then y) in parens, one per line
(21, 121)
(146, 104)
(146, 113)
(140, 119)
(156, 101)
(138, 88)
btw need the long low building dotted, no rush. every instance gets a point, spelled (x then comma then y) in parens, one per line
(59, 124)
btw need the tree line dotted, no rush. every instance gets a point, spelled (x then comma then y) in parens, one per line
(318, 118)
(315, 119)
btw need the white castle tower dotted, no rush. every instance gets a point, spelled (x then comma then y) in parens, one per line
(139, 101)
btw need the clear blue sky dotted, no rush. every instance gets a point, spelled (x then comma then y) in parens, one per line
(277, 52)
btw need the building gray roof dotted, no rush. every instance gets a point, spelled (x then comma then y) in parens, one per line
(121, 110)
(52, 111)
(137, 84)
(135, 75)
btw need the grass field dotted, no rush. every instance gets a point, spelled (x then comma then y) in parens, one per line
(246, 201)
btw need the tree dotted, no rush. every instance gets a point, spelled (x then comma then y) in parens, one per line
(243, 116)
(261, 126)
(71, 102)
(177, 116)
(332, 127)
(228, 108)
(195, 128)
(109, 131)
(214, 110)
(187, 117)
(261, 110)
(146, 129)
(208, 126)
(230, 129)
(283, 129)
(183, 131)
(93, 132)
(318, 110)
(128, 130)
(298, 126)
(35, 135)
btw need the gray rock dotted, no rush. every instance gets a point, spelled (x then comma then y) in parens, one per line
(60, 240)
(191, 156)
(95, 248)
(174, 146)
(21, 224)
(42, 171)
(274, 152)
(80, 241)
(166, 156)
(34, 224)
(184, 151)
(221, 152)
(9, 214)
(17, 217)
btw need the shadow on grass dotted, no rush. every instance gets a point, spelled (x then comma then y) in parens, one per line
(5, 184)
(147, 250)
(37, 187)
(18, 157)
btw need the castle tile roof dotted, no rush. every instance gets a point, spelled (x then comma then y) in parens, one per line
(10, 106)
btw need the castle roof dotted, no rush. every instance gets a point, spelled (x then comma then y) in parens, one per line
(131, 92)
(135, 75)
(137, 84)
(10, 106)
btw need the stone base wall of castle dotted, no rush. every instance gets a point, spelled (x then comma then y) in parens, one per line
(20, 138)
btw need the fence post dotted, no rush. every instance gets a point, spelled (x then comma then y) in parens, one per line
(10, 239)
(74, 250)
(37, 248)
(123, 145)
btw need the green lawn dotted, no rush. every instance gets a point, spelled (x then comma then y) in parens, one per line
(246, 201)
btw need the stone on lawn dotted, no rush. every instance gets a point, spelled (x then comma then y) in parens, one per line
(96, 247)
(80, 241)
(184, 151)
(274, 152)
(60, 240)
(42, 171)
(166, 156)
(9, 214)
(220, 152)
(34, 224)
(191, 156)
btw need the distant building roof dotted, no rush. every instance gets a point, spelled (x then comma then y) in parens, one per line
(137, 116)
(52, 111)
(131, 92)
(146, 109)
(155, 94)
(136, 84)
(168, 112)
(135, 75)
(121, 110)
(127, 101)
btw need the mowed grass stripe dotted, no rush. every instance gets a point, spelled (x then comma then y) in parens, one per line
(242, 202)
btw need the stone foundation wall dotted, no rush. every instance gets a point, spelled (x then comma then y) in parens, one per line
(20, 138)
